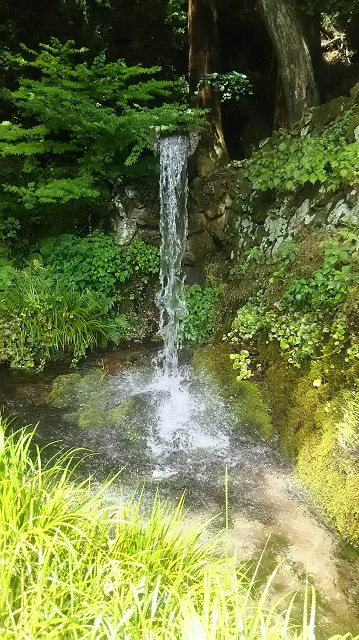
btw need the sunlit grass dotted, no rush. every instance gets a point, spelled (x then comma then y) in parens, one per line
(73, 566)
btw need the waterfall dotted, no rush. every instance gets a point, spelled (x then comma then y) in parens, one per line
(173, 226)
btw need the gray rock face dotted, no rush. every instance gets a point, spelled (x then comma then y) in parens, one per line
(125, 229)
(198, 247)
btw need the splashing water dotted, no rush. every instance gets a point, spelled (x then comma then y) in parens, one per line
(173, 226)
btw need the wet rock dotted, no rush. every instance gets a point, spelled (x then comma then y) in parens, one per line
(196, 222)
(216, 228)
(194, 274)
(198, 246)
(73, 390)
(144, 216)
(62, 392)
(125, 230)
(151, 236)
(329, 111)
(215, 210)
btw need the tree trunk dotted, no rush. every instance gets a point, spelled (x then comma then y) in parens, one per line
(203, 59)
(293, 56)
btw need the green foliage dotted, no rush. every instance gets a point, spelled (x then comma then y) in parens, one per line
(7, 274)
(9, 226)
(72, 566)
(295, 158)
(78, 293)
(231, 85)
(241, 363)
(40, 320)
(99, 264)
(199, 323)
(311, 319)
(343, 7)
(80, 125)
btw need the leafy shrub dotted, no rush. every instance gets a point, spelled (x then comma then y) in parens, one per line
(231, 85)
(79, 126)
(40, 320)
(99, 264)
(198, 325)
(292, 158)
(312, 319)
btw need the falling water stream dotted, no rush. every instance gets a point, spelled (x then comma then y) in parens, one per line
(150, 414)
(173, 227)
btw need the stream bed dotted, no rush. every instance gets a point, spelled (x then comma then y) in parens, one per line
(176, 435)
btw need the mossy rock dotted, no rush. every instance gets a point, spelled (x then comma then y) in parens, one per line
(330, 111)
(244, 396)
(332, 475)
(92, 415)
(351, 133)
(62, 392)
(301, 417)
(134, 435)
(75, 389)
(354, 93)
(278, 389)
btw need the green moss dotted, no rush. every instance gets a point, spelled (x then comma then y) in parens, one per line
(90, 416)
(117, 414)
(244, 396)
(310, 429)
(94, 415)
(134, 434)
(74, 390)
(301, 417)
(278, 389)
(63, 390)
(332, 475)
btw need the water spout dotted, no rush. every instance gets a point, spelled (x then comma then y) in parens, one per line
(173, 226)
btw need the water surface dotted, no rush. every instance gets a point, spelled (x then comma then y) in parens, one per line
(176, 435)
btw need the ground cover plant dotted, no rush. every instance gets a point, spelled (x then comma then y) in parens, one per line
(198, 325)
(73, 565)
(311, 316)
(309, 155)
(121, 275)
(73, 294)
(42, 320)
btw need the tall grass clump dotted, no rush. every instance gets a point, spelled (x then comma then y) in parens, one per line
(41, 320)
(73, 566)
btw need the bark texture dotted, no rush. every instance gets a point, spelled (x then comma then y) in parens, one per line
(294, 60)
(203, 59)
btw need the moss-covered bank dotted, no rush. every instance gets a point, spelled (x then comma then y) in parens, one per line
(317, 427)
(309, 425)
(244, 396)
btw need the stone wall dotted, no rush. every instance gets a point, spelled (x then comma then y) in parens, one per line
(225, 212)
